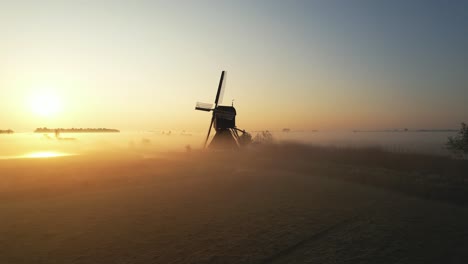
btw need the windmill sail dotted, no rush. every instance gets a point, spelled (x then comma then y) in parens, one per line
(203, 106)
(223, 88)
(220, 92)
(209, 131)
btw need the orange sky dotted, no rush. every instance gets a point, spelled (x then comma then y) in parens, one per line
(143, 65)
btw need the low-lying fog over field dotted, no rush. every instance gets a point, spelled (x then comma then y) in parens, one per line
(161, 140)
(279, 203)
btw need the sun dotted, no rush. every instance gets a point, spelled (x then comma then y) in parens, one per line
(45, 104)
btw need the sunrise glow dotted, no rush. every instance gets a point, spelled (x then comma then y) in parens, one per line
(45, 104)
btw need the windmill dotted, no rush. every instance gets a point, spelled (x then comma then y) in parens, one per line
(224, 121)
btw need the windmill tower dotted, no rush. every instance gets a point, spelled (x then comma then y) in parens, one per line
(223, 119)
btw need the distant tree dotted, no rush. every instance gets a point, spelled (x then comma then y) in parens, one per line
(458, 144)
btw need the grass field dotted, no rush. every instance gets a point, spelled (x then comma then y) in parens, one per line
(277, 204)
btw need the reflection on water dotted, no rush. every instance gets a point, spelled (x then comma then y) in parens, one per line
(46, 154)
(39, 155)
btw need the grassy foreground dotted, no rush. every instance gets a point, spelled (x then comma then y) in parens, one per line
(278, 204)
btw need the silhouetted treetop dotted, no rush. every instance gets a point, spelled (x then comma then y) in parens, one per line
(74, 130)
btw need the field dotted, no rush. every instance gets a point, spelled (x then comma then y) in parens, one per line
(278, 204)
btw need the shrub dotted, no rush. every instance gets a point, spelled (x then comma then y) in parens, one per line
(245, 139)
(264, 137)
(458, 144)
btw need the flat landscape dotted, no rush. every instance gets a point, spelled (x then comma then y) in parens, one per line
(232, 132)
(285, 204)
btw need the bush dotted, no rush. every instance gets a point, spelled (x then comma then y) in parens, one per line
(245, 139)
(264, 137)
(458, 144)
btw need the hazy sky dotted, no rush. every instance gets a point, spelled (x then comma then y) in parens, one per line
(297, 64)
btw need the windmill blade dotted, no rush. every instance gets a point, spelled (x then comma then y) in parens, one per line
(203, 106)
(223, 88)
(220, 92)
(209, 131)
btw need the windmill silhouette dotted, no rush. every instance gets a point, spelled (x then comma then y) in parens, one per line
(223, 119)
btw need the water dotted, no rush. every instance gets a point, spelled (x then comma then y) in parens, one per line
(33, 145)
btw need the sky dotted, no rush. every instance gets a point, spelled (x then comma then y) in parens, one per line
(326, 65)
